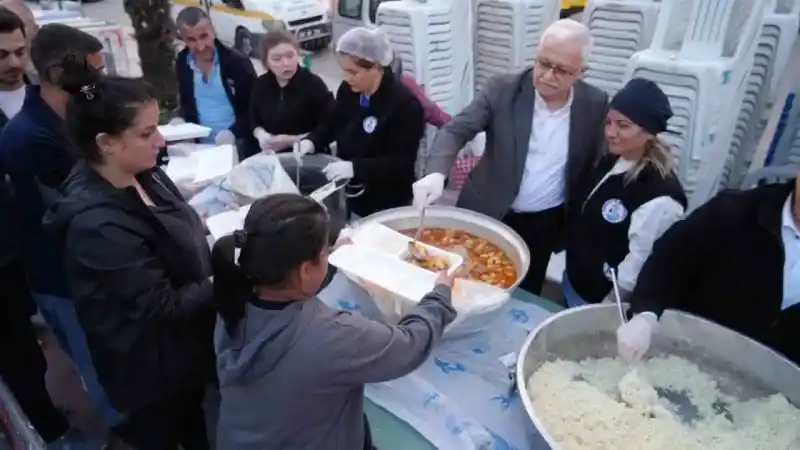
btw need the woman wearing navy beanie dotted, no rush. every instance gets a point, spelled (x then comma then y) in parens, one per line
(631, 199)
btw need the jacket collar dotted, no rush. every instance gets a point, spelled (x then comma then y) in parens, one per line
(293, 83)
(84, 178)
(221, 54)
(36, 106)
(385, 86)
(770, 206)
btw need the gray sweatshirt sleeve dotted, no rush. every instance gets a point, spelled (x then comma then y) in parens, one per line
(370, 352)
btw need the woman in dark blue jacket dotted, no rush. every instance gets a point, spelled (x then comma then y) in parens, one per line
(377, 124)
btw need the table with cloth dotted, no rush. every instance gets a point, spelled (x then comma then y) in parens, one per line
(461, 398)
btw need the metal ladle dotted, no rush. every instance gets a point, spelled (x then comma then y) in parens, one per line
(412, 248)
(684, 408)
(613, 275)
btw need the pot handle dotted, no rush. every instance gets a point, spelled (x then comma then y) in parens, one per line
(359, 193)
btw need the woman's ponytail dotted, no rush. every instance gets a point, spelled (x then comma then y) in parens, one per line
(79, 78)
(232, 288)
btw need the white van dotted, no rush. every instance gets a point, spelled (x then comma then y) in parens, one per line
(349, 14)
(242, 23)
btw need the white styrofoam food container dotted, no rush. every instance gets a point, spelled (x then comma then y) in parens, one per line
(183, 131)
(226, 223)
(375, 263)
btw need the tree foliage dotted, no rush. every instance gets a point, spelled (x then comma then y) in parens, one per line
(155, 34)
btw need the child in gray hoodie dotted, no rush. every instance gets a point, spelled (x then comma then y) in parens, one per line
(292, 369)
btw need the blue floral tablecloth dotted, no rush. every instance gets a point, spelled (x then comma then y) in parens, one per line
(461, 398)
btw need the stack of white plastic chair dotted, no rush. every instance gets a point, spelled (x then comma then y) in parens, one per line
(701, 56)
(778, 35)
(422, 34)
(507, 34)
(619, 29)
(785, 149)
(784, 20)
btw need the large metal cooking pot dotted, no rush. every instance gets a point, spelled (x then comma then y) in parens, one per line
(743, 367)
(494, 231)
(312, 178)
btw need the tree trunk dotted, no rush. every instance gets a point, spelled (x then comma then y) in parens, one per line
(155, 35)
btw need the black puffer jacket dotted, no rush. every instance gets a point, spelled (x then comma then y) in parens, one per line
(140, 284)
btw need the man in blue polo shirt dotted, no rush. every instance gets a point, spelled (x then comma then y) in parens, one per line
(35, 144)
(214, 81)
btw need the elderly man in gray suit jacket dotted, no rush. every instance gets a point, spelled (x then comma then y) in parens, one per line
(544, 131)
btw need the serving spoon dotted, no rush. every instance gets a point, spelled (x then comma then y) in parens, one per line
(615, 284)
(412, 247)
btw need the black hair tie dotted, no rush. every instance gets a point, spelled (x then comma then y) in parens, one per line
(239, 238)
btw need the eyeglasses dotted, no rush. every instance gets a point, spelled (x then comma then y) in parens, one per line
(558, 71)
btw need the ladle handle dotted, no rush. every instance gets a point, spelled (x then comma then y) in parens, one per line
(421, 223)
(613, 275)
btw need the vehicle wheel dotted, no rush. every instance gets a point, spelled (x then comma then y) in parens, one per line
(317, 44)
(244, 42)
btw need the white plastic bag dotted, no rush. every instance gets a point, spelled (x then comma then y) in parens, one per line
(214, 200)
(259, 176)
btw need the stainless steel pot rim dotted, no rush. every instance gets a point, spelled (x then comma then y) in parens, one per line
(512, 240)
(767, 369)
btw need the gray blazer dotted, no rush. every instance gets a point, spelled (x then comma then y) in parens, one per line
(504, 110)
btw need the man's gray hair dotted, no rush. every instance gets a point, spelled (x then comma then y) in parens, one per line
(190, 16)
(568, 30)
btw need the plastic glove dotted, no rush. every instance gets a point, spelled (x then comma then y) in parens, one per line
(302, 148)
(338, 170)
(225, 137)
(263, 138)
(428, 189)
(176, 121)
(281, 142)
(633, 338)
(346, 232)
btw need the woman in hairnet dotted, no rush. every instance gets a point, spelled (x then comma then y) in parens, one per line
(377, 124)
(734, 260)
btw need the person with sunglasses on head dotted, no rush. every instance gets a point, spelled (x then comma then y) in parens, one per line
(631, 198)
(544, 130)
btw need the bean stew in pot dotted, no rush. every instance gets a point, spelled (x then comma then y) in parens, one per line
(485, 261)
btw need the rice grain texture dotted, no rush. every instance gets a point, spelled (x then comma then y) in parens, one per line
(604, 404)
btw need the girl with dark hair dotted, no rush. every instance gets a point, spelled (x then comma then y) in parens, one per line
(288, 101)
(137, 263)
(291, 369)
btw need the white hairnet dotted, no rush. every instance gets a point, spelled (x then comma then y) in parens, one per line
(368, 44)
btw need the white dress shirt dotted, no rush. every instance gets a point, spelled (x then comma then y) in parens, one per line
(648, 222)
(543, 183)
(791, 248)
